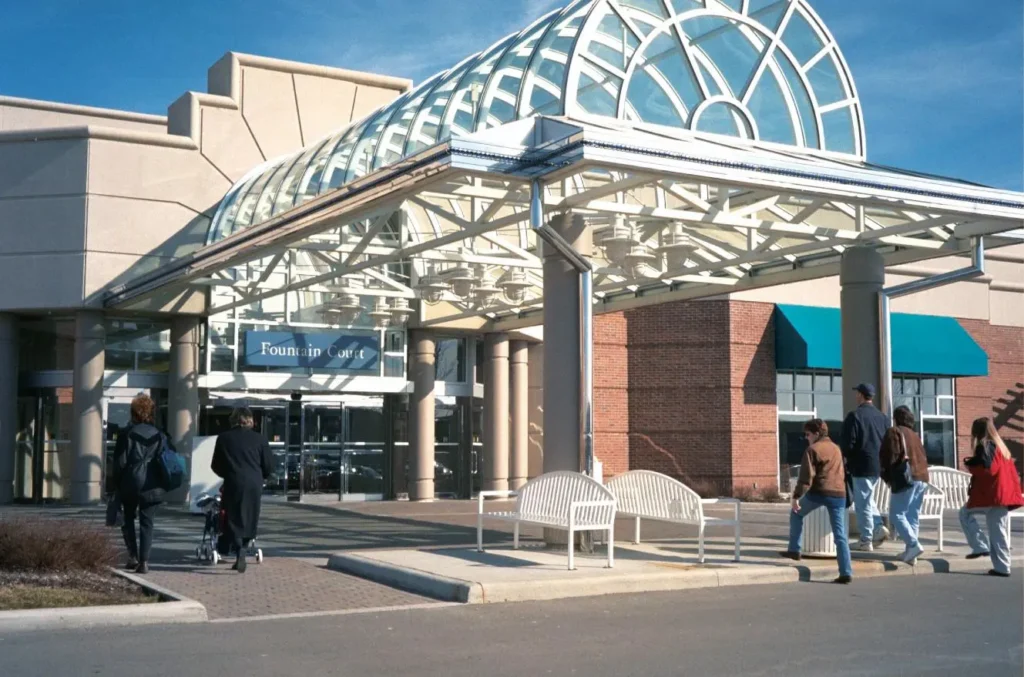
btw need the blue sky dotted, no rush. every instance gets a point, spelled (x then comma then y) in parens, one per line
(942, 80)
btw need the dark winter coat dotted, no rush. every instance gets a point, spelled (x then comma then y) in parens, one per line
(243, 458)
(863, 432)
(135, 476)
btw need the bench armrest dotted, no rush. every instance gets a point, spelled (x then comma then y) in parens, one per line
(492, 494)
(576, 506)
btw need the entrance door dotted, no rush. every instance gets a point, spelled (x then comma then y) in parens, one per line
(270, 418)
(321, 451)
(117, 414)
(364, 457)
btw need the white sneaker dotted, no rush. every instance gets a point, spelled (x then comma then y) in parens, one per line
(910, 555)
(862, 546)
(881, 535)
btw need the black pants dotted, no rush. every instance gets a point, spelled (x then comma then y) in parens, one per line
(138, 549)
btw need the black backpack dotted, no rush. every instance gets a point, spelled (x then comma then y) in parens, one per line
(141, 476)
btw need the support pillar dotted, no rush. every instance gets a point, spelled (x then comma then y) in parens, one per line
(422, 369)
(562, 349)
(519, 414)
(496, 412)
(8, 404)
(861, 277)
(183, 395)
(87, 445)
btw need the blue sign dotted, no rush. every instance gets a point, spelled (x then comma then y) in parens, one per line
(351, 352)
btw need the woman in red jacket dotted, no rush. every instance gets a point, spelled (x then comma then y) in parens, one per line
(994, 492)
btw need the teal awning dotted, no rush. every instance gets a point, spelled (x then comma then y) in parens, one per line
(808, 337)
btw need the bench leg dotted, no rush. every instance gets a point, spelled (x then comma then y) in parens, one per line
(636, 530)
(611, 545)
(700, 545)
(940, 532)
(572, 542)
(737, 536)
(515, 537)
(479, 533)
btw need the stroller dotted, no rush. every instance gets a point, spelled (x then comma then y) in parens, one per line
(212, 548)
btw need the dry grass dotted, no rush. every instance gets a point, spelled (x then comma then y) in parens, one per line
(745, 493)
(770, 494)
(49, 545)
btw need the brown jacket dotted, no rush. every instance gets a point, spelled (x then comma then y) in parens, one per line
(822, 471)
(892, 453)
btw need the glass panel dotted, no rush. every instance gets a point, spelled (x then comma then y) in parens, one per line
(803, 402)
(365, 424)
(653, 7)
(804, 382)
(928, 406)
(266, 202)
(939, 442)
(323, 424)
(829, 407)
(119, 360)
(784, 401)
(792, 445)
(649, 98)
(391, 147)
(394, 366)
(247, 205)
(837, 384)
(222, 334)
(825, 81)
(783, 381)
(721, 118)
(803, 101)
(321, 471)
(285, 197)
(944, 386)
(222, 360)
(801, 38)
(768, 12)
(734, 50)
(945, 406)
(599, 98)
(911, 386)
(681, 6)
(364, 471)
(461, 111)
(927, 386)
(309, 186)
(822, 383)
(771, 112)
(838, 125)
(450, 360)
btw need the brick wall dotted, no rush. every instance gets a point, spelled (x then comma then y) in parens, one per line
(611, 393)
(998, 395)
(755, 451)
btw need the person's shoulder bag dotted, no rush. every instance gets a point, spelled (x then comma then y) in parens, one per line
(899, 478)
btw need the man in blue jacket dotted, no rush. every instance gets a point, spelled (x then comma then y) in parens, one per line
(863, 431)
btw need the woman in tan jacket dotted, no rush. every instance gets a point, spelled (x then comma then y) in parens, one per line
(901, 444)
(822, 484)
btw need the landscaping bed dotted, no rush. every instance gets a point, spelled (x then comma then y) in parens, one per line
(54, 563)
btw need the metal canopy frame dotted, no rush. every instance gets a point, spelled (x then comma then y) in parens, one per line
(699, 215)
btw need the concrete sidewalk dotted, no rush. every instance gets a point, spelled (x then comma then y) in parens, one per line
(501, 574)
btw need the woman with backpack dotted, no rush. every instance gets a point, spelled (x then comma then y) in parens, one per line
(138, 480)
(904, 467)
(994, 492)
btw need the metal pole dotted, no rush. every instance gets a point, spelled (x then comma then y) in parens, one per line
(587, 376)
(885, 353)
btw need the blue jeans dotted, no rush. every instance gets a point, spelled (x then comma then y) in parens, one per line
(837, 516)
(868, 517)
(997, 543)
(905, 513)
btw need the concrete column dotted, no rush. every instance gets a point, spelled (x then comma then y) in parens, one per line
(495, 412)
(183, 395)
(8, 404)
(562, 359)
(87, 444)
(536, 404)
(861, 277)
(422, 369)
(519, 414)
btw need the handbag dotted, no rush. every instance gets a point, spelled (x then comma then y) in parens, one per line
(114, 510)
(899, 477)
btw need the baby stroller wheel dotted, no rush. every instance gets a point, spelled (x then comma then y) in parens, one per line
(214, 556)
(259, 556)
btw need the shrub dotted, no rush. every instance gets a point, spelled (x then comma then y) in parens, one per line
(54, 545)
(704, 488)
(770, 494)
(744, 492)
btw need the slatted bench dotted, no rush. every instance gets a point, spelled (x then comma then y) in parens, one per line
(955, 484)
(567, 501)
(644, 494)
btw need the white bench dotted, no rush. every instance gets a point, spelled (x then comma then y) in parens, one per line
(955, 484)
(932, 506)
(568, 501)
(643, 494)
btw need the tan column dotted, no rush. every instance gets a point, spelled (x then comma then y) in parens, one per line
(87, 444)
(495, 412)
(519, 414)
(183, 392)
(8, 404)
(421, 416)
(861, 278)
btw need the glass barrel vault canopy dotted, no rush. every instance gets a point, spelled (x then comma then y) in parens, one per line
(765, 70)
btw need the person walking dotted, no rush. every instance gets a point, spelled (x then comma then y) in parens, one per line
(994, 491)
(821, 484)
(903, 446)
(242, 457)
(136, 481)
(863, 431)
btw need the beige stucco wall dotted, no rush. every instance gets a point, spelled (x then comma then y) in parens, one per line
(91, 198)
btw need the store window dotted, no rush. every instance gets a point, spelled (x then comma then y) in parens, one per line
(450, 360)
(805, 395)
(137, 345)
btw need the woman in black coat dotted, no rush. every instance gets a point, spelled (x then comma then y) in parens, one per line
(242, 457)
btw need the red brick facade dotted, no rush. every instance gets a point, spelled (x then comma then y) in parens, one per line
(1000, 395)
(660, 404)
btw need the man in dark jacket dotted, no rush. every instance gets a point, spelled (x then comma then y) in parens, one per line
(136, 482)
(242, 457)
(863, 432)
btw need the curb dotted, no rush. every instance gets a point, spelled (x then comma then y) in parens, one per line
(449, 589)
(173, 608)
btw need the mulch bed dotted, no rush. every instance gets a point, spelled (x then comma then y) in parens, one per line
(31, 590)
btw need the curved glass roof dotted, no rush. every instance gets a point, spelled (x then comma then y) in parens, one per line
(759, 69)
